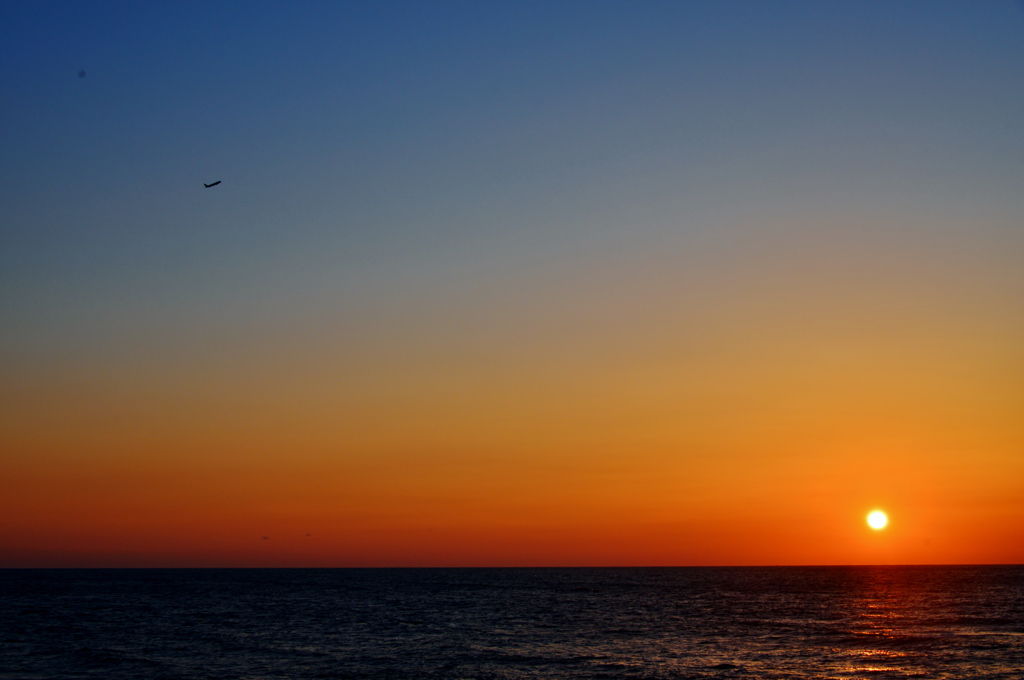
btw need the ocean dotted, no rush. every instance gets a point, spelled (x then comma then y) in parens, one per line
(780, 622)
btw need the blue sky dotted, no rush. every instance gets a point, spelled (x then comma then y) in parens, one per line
(407, 131)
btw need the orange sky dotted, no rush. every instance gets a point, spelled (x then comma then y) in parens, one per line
(688, 405)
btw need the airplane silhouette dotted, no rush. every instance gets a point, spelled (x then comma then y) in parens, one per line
(211, 185)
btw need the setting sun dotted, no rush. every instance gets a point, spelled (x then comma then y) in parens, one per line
(877, 519)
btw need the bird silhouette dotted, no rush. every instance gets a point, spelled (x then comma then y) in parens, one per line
(211, 185)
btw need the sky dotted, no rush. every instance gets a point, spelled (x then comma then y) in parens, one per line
(511, 283)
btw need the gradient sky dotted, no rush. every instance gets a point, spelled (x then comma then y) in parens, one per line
(524, 283)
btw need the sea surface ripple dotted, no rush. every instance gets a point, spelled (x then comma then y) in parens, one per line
(504, 624)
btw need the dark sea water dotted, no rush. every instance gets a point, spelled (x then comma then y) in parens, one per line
(815, 622)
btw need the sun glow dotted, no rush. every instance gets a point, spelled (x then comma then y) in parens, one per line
(877, 519)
